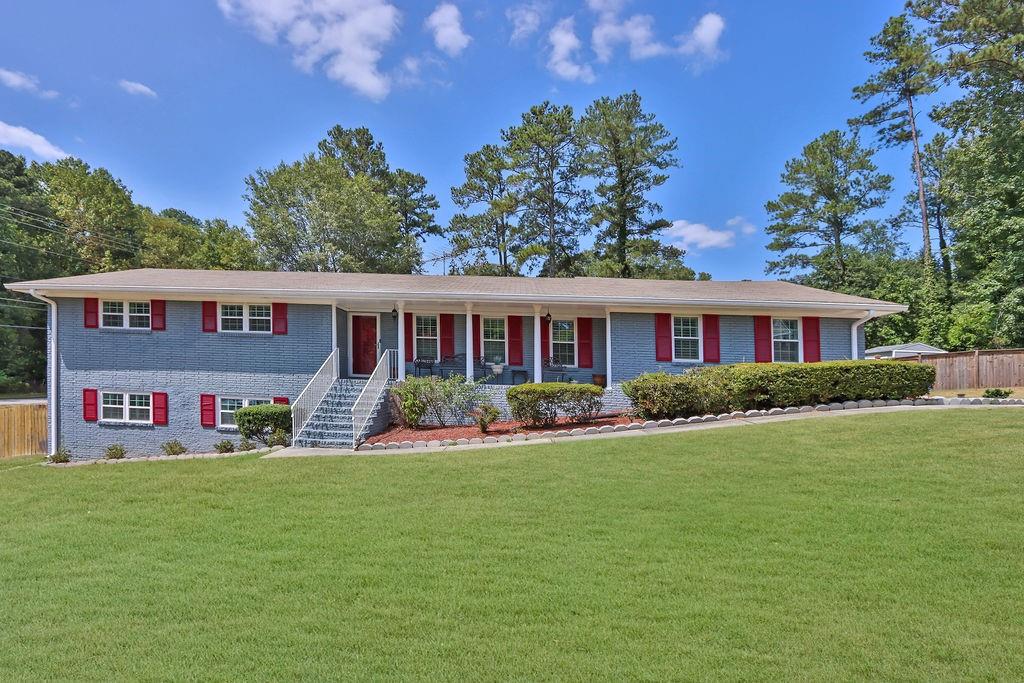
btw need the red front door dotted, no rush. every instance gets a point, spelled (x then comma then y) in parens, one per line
(364, 344)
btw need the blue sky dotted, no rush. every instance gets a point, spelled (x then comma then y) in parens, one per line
(182, 100)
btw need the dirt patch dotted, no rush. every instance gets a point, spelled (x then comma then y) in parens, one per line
(427, 433)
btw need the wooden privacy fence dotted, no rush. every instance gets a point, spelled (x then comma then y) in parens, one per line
(22, 429)
(976, 369)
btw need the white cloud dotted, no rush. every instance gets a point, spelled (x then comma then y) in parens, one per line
(445, 22)
(703, 39)
(699, 236)
(637, 31)
(345, 37)
(17, 80)
(23, 138)
(564, 48)
(525, 20)
(136, 88)
(742, 224)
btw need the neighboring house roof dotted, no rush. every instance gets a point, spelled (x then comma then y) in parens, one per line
(592, 290)
(912, 348)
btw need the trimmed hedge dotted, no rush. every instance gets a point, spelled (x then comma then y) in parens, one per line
(262, 422)
(747, 386)
(540, 404)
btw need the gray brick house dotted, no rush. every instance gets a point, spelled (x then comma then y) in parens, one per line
(141, 357)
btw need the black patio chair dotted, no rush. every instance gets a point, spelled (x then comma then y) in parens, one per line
(554, 367)
(452, 365)
(422, 364)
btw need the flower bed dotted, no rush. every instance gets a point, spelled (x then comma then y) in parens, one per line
(399, 433)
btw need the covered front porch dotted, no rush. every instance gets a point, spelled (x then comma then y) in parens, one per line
(501, 345)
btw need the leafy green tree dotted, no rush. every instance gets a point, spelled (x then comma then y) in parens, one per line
(627, 150)
(649, 259)
(547, 168)
(228, 247)
(906, 73)
(821, 216)
(414, 204)
(312, 215)
(169, 243)
(976, 35)
(357, 152)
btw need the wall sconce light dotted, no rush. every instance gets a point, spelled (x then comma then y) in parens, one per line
(394, 314)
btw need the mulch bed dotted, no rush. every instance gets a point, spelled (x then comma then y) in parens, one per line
(428, 433)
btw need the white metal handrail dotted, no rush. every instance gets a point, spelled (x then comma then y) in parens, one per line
(362, 409)
(307, 402)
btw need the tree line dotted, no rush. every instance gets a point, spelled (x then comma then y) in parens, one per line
(965, 285)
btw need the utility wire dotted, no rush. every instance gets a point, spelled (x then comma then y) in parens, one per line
(4, 302)
(54, 253)
(55, 221)
(104, 241)
(20, 301)
(23, 327)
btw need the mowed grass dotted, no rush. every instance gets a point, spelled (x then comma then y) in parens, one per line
(870, 546)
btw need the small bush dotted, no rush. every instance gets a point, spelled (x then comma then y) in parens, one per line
(62, 454)
(486, 414)
(224, 446)
(174, 447)
(115, 451)
(997, 393)
(246, 445)
(260, 422)
(540, 404)
(748, 386)
(444, 401)
(279, 437)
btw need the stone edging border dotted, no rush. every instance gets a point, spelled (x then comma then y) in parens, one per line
(680, 421)
(160, 458)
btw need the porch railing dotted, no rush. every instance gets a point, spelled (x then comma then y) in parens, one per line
(362, 409)
(307, 402)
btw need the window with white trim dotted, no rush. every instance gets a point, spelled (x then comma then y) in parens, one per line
(685, 338)
(563, 342)
(127, 407)
(126, 314)
(494, 340)
(245, 318)
(426, 341)
(228, 406)
(786, 340)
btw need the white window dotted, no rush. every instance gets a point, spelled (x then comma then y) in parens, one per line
(563, 342)
(427, 345)
(228, 406)
(139, 407)
(131, 314)
(245, 318)
(494, 340)
(786, 340)
(685, 338)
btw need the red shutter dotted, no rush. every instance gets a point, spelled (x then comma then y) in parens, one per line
(408, 338)
(208, 410)
(279, 318)
(478, 335)
(545, 337)
(159, 408)
(282, 400)
(712, 338)
(812, 340)
(209, 316)
(447, 323)
(91, 312)
(663, 337)
(762, 339)
(158, 315)
(515, 340)
(90, 410)
(585, 342)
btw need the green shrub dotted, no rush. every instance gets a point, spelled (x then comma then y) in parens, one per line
(174, 447)
(261, 421)
(279, 437)
(658, 395)
(997, 393)
(115, 451)
(444, 401)
(62, 454)
(746, 386)
(539, 404)
(486, 414)
(225, 446)
(246, 445)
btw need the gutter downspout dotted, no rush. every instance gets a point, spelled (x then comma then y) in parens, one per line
(854, 351)
(51, 360)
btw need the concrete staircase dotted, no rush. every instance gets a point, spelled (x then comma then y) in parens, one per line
(330, 426)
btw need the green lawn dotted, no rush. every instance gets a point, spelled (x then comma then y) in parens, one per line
(871, 546)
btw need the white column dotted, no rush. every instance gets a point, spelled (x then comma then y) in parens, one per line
(538, 362)
(334, 340)
(470, 351)
(401, 340)
(608, 347)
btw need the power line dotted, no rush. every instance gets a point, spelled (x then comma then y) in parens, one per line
(53, 253)
(23, 327)
(105, 241)
(27, 303)
(4, 302)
